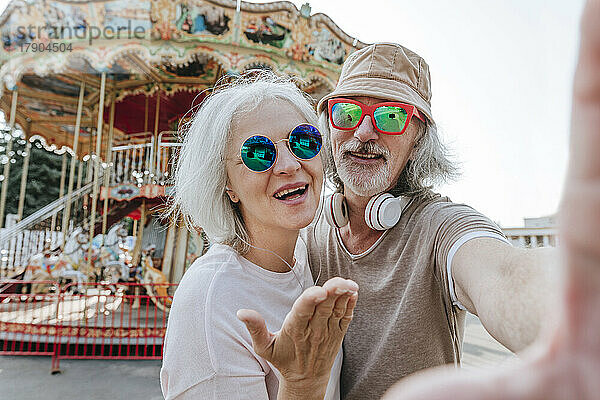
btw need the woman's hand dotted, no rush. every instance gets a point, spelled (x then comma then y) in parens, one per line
(306, 346)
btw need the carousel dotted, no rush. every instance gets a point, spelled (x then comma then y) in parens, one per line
(106, 85)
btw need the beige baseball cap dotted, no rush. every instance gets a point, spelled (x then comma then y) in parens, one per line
(388, 71)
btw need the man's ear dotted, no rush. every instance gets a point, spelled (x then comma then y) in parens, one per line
(413, 151)
(422, 132)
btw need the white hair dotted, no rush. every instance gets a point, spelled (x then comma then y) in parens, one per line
(199, 176)
(430, 163)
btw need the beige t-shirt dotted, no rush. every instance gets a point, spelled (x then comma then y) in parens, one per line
(208, 352)
(403, 318)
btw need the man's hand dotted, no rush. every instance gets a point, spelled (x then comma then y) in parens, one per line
(567, 364)
(306, 346)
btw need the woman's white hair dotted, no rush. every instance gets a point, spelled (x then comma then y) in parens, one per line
(199, 176)
(430, 164)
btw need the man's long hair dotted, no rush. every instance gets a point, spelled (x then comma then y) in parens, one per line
(429, 165)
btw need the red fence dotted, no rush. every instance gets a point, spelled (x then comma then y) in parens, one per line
(92, 321)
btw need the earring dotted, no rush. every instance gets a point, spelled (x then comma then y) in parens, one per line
(232, 196)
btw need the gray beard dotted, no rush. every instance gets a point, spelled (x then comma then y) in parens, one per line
(364, 180)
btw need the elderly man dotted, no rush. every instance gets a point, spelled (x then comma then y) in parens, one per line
(420, 260)
(417, 277)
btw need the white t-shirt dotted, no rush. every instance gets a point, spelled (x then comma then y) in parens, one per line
(208, 352)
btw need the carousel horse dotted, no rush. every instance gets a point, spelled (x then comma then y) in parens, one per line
(154, 281)
(50, 265)
(71, 263)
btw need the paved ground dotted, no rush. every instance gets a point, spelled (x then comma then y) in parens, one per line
(480, 350)
(28, 378)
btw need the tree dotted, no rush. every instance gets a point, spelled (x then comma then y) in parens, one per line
(43, 178)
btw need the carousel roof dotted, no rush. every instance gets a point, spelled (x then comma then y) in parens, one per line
(152, 52)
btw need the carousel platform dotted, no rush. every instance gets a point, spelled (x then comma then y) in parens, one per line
(97, 324)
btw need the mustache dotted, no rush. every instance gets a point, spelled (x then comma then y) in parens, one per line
(357, 146)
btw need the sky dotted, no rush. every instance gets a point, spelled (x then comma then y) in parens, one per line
(502, 72)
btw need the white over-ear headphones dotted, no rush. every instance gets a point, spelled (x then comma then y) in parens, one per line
(383, 210)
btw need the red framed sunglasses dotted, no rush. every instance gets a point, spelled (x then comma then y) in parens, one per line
(389, 118)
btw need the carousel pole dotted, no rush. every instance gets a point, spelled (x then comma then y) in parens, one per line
(79, 174)
(145, 120)
(137, 251)
(137, 248)
(11, 125)
(61, 190)
(88, 179)
(169, 243)
(22, 189)
(154, 152)
(79, 178)
(67, 212)
(88, 173)
(146, 115)
(24, 173)
(108, 161)
(97, 166)
(178, 266)
(237, 21)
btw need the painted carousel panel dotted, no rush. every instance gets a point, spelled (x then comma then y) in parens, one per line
(43, 21)
(200, 18)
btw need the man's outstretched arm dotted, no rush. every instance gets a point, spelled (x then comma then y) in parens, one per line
(567, 364)
(513, 291)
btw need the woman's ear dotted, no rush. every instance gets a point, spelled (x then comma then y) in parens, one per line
(232, 196)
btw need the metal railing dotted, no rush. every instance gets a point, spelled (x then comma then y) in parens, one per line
(532, 237)
(133, 163)
(100, 322)
(43, 213)
(30, 235)
(143, 160)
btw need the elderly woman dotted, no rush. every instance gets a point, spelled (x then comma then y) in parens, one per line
(250, 174)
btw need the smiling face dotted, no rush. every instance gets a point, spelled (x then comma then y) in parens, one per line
(287, 195)
(368, 162)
